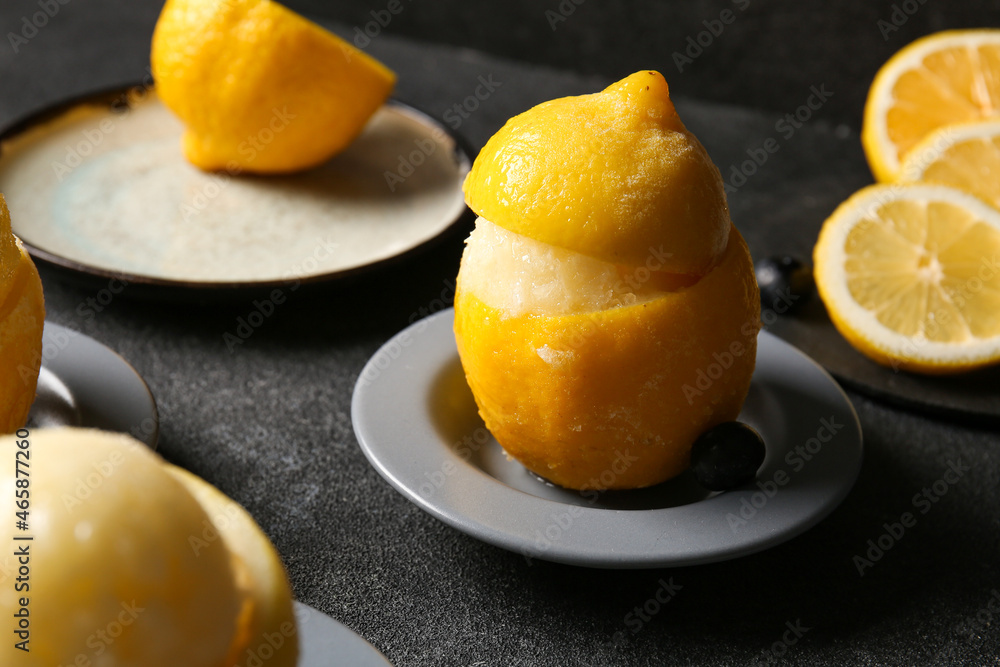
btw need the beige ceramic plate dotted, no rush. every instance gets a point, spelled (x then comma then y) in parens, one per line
(102, 187)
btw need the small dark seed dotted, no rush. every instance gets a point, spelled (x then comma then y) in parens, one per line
(727, 455)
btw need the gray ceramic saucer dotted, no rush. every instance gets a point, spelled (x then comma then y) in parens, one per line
(416, 421)
(326, 643)
(83, 383)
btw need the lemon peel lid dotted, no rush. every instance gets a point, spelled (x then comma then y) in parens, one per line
(614, 175)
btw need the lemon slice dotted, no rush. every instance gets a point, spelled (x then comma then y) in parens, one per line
(910, 275)
(963, 156)
(942, 79)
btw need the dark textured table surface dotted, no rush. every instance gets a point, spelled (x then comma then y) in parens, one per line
(270, 425)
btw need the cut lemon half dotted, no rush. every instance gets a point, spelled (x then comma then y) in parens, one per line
(910, 275)
(259, 87)
(942, 79)
(963, 156)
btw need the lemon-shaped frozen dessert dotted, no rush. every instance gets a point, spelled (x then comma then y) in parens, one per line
(606, 310)
(22, 317)
(130, 563)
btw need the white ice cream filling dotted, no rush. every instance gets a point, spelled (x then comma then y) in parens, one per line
(520, 275)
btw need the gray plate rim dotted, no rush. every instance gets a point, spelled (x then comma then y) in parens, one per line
(389, 412)
(107, 391)
(325, 642)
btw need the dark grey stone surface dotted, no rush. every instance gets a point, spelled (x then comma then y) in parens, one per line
(269, 423)
(766, 56)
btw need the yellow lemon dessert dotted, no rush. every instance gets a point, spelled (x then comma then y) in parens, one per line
(22, 316)
(606, 311)
(259, 87)
(134, 562)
